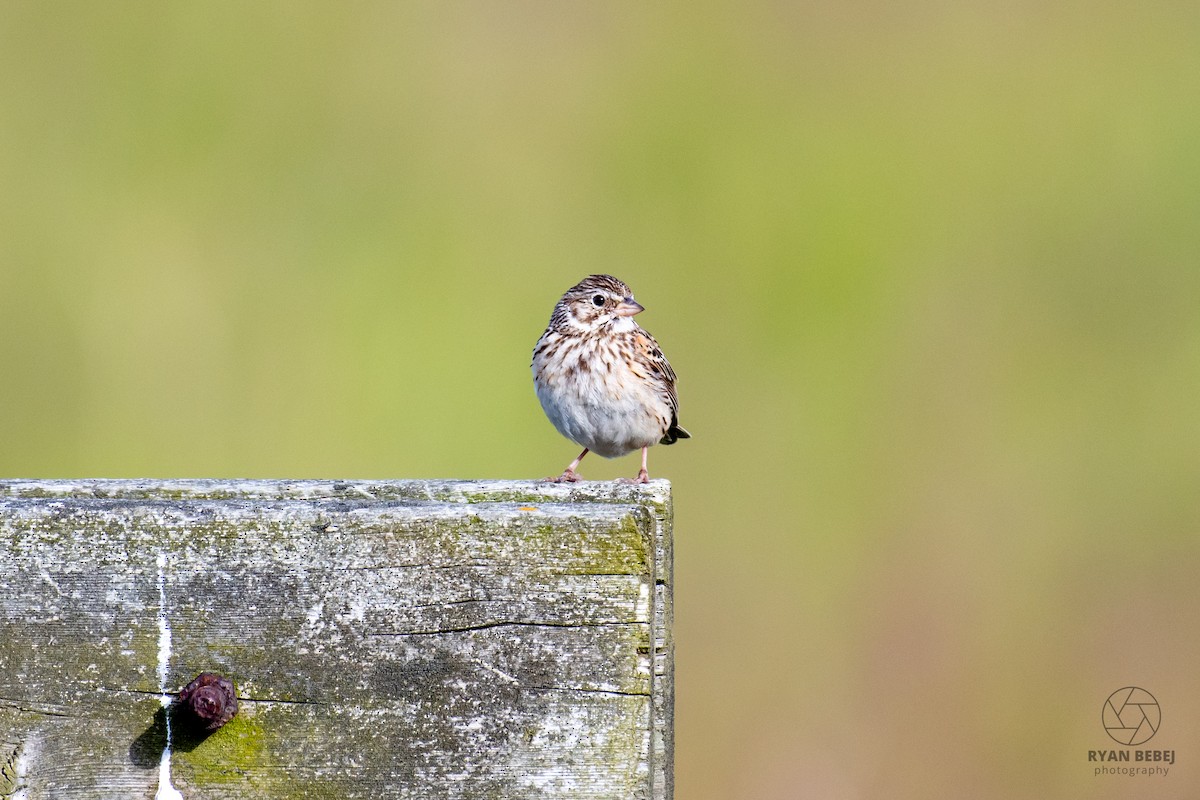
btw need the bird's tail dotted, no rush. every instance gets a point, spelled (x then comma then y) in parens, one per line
(674, 434)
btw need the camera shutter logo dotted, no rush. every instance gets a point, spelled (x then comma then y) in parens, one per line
(1131, 716)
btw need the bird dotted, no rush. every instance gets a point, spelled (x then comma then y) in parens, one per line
(601, 379)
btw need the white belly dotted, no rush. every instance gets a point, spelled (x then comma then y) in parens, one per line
(609, 413)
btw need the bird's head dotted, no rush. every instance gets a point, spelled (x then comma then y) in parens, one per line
(596, 302)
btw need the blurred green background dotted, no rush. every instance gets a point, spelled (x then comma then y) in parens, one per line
(929, 274)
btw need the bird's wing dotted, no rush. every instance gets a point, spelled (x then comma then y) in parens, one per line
(650, 363)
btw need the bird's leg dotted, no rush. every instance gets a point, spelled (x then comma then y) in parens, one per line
(643, 475)
(569, 475)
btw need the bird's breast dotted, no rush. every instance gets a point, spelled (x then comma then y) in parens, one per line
(593, 396)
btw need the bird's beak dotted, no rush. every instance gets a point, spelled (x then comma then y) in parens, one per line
(628, 307)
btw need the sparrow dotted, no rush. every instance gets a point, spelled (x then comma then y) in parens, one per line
(602, 380)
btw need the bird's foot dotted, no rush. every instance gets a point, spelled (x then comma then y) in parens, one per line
(642, 477)
(568, 476)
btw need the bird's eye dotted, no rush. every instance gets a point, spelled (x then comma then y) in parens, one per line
(598, 300)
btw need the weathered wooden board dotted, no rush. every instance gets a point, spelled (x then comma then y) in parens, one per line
(404, 639)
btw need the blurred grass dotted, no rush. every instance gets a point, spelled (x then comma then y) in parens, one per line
(928, 275)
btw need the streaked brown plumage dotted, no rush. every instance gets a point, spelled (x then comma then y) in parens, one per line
(602, 380)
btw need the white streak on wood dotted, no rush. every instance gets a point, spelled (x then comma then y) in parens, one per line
(24, 757)
(166, 791)
(500, 673)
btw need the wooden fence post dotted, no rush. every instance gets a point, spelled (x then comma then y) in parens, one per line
(396, 639)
